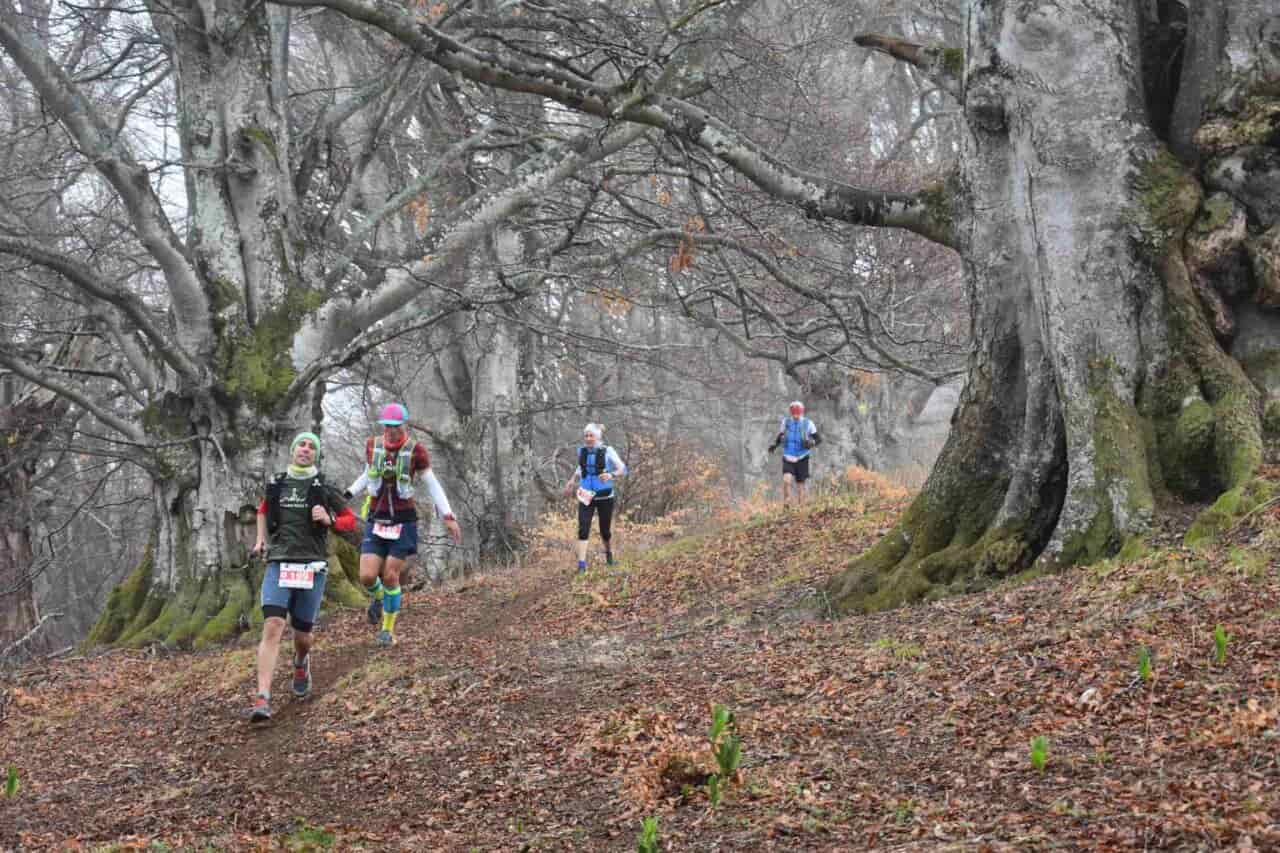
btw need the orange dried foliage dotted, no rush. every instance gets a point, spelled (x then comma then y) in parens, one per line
(861, 481)
(865, 380)
(421, 209)
(614, 302)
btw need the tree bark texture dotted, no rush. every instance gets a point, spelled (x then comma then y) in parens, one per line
(1099, 378)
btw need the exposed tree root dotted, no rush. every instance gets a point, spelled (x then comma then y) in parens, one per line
(203, 612)
(1028, 456)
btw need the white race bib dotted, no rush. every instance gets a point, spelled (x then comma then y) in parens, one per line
(300, 575)
(386, 531)
(585, 495)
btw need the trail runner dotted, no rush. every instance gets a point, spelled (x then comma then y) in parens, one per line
(394, 463)
(293, 529)
(598, 468)
(797, 436)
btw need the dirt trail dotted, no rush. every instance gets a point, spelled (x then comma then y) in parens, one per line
(534, 710)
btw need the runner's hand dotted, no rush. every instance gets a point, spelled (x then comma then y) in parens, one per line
(568, 490)
(321, 515)
(606, 477)
(259, 548)
(772, 448)
(455, 532)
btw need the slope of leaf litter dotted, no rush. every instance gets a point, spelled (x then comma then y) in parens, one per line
(536, 710)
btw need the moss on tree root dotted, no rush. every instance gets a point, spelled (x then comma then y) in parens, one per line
(938, 548)
(1122, 479)
(203, 612)
(1230, 507)
(122, 605)
(343, 586)
(1198, 456)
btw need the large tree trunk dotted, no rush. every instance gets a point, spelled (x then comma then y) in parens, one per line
(1097, 379)
(224, 431)
(17, 599)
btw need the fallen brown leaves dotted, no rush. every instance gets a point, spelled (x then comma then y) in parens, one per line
(534, 710)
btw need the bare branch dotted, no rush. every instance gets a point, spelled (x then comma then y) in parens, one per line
(34, 374)
(89, 282)
(399, 200)
(816, 196)
(98, 142)
(340, 320)
(941, 64)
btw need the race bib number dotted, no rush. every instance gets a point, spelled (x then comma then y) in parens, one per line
(298, 575)
(387, 531)
(586, 495)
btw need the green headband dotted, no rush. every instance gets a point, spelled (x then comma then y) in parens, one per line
(315, 439)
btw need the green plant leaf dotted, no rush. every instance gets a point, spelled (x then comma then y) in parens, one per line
(1220, 640)
(721, 719)
(1039, 751)
(647, 840)
(1144, 663)
(729, 755)
(11, 783)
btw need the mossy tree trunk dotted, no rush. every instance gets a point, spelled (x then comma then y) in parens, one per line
(1099, 377)
(269, 286)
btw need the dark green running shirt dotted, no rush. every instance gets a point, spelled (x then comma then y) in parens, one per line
(298, 538)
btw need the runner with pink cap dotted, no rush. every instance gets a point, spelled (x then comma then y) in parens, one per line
(393, 464)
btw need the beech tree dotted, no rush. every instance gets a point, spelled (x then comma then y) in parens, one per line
(1113, 210)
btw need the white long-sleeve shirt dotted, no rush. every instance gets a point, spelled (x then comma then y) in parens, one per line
(365, 484)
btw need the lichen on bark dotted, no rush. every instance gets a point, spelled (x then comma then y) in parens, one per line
(258, 365)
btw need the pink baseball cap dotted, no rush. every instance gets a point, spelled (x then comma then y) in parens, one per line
(393, 414)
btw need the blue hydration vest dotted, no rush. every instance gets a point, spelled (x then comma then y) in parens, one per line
(795, 434)
(591, 464)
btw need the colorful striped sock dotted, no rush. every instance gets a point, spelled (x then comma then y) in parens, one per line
(391, 608)
(377, 590)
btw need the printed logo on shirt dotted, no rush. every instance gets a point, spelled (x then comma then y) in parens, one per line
(294, 498)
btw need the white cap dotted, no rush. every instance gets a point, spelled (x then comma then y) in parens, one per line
(594, 429)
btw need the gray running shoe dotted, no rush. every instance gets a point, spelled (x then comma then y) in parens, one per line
(260, 710)
(375, 611)
(385, 638)
(302, 677)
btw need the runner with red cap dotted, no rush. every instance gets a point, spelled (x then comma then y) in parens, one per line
(798, 436)
(393, 463)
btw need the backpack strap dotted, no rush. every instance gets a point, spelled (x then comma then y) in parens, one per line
(274, 486)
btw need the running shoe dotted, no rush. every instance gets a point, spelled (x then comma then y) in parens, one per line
(385, 638)
(260, 710)
(375, 611)
(302, 677)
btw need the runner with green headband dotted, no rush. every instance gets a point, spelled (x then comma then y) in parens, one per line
(293, 530)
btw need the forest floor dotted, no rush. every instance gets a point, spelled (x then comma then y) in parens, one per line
(531, 709)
